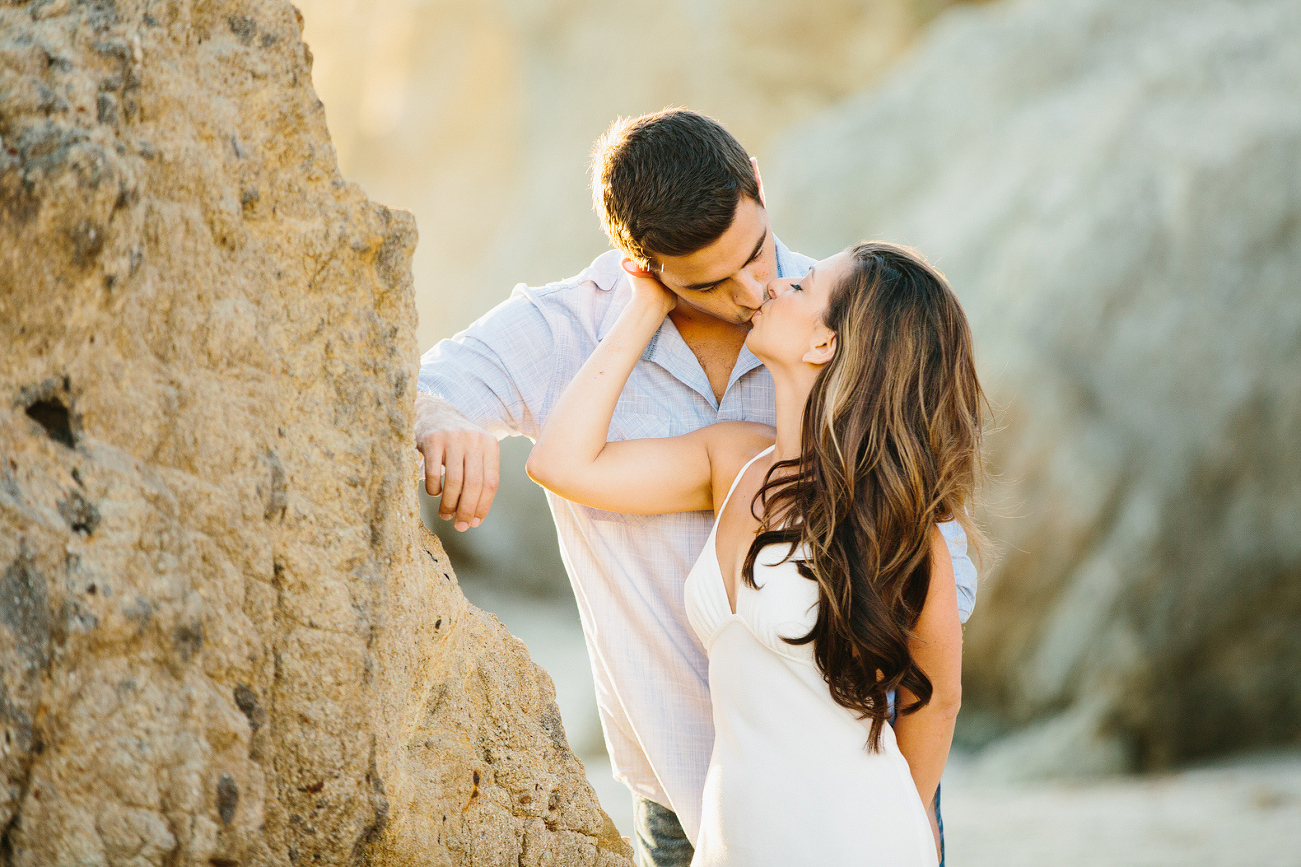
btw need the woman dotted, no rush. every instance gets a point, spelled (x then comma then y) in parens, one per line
(828, 603)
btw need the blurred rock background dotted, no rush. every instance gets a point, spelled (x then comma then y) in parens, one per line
(478, 115)
(1113, 187)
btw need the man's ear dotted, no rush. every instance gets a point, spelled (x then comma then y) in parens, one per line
(642, 270)
(754, 161)
(632, 267)
(823, 348)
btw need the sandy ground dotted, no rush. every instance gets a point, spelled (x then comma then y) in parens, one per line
(1245, 812)
(1230, 814)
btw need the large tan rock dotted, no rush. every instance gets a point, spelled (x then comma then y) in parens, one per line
(1113, 189)
(224, 636)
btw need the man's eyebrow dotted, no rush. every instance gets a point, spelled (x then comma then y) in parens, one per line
(758, 248)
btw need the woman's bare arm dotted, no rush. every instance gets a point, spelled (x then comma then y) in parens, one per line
(925, 737)
(647, 476)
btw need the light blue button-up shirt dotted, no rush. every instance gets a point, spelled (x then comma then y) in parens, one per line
(505, 372)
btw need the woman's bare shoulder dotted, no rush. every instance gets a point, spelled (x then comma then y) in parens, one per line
(731, 445)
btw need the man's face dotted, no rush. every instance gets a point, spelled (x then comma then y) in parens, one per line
(725, 280)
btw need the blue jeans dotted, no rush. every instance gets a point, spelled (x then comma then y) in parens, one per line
(661, 842)
(939, 820)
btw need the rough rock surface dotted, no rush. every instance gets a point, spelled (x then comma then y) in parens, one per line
(224, 636)
(1113, 188)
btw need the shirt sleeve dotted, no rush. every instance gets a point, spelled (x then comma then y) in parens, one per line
(964, 571)
(496, 372)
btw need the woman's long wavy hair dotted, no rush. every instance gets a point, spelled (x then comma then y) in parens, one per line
(891, 446)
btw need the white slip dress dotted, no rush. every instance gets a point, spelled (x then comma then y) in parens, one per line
(791, 780)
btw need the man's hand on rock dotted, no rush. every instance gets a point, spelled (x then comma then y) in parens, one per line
(462, 462)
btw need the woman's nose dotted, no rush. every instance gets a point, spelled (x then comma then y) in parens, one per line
(774, 288)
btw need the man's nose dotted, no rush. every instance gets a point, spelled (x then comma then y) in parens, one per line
(753, 288)
(752, 291)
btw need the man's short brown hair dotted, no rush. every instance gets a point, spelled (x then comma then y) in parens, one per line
(668, 183)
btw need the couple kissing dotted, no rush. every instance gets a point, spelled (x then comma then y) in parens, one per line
(760, 469)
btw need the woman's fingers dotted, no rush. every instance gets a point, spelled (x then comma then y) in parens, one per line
(646, 284)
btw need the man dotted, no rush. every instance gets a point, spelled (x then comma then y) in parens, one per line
(679, 196)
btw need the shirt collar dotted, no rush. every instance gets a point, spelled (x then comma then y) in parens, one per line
(606, 271)
(790, 264)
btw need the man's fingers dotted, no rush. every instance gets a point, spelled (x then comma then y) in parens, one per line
(433, 452)
(491, 478)
(454, 479)
(471, 487)
(464, 468)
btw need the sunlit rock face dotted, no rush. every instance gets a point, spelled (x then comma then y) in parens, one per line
(1113, 189)
(224, 636)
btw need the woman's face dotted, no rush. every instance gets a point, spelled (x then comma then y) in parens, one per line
(790, 325)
